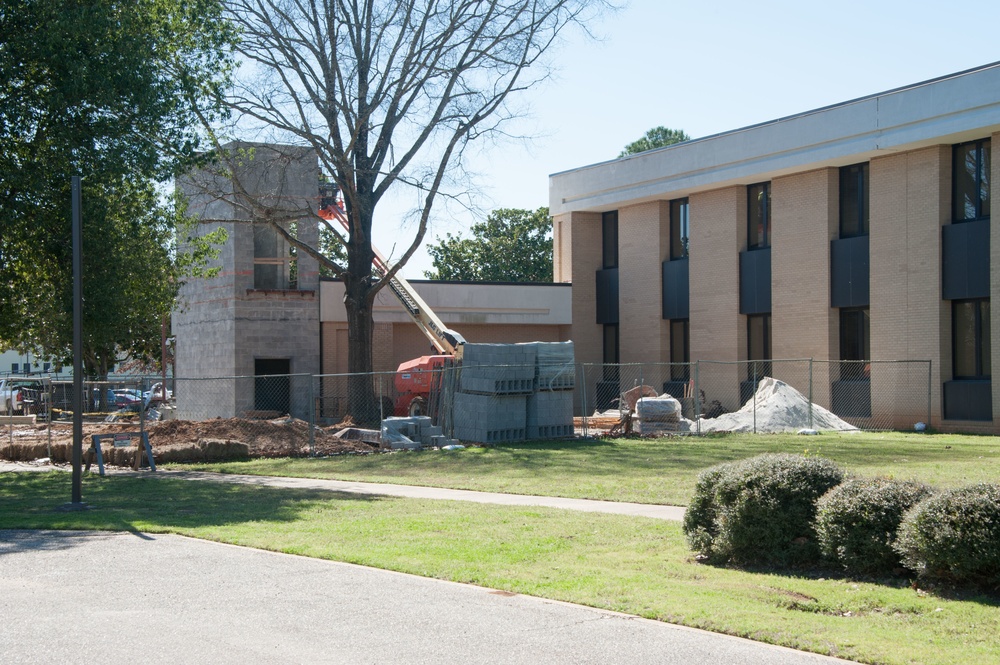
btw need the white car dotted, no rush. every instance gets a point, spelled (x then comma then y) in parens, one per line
(156, 394)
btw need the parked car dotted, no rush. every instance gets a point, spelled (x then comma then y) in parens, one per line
(127, 397)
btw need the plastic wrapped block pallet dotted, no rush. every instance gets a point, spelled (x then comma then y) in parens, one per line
(663, 409)
(490, 418)
(556, 365)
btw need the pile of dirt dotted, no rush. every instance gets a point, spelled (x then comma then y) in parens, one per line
(776, 407)
(188, 440)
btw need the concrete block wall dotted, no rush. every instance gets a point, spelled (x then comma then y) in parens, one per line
(224, 324)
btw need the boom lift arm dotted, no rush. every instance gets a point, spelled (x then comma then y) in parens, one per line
(445, 340)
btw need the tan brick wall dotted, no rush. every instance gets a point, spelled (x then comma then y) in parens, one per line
(718, 332)
(643, 237)
(584, 240)
(910, 197)
(803, 325)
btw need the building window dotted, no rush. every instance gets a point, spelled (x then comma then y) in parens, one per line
(680, 350)
(971, 181)
(758, 346)
(611, 352)
(759, 216)
(679, 228)
(970, 338)
(609, 244)
(14, 367)
(855, 344)
(274, 265)
(854, 201)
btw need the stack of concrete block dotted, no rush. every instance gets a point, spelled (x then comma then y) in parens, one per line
(550, 407)
(498, 369)
(490, 405)
(512, 392)
(413, 433)
(556, 368)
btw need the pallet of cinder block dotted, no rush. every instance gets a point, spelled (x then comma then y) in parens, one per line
(490, 418)
(555, 367)
(550, 414)
(498, 369)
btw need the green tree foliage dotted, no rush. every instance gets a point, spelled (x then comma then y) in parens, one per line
(108, 90)
(512, 245)
(657, 137)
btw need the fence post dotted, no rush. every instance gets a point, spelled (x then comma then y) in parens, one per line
(930, 382)
(810, 393)
(312, 416)
(753, 387)
(697, 398)
(583, 396)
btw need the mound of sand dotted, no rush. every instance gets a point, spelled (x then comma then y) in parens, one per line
(779, 408)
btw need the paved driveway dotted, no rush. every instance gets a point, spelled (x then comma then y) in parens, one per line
(72, 597)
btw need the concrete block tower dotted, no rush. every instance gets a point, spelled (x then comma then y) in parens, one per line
(258, 317)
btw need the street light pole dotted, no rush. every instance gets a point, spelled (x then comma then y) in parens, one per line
(77, 342)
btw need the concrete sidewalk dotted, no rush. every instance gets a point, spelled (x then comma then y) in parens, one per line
(675, 513)
(418, 492)
(123, 598)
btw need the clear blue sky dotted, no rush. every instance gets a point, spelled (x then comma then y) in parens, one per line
(710, 67)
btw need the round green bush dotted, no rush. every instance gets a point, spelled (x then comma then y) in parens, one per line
(954, 537)
(857, 521)
(759, 510)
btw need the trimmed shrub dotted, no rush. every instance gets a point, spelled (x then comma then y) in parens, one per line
(857, 521)
(759, 510)
(954, 537)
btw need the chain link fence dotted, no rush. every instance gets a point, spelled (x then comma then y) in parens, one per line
(767, 396)
(481, 401)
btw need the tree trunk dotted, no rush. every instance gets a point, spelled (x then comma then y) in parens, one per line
(358, 301)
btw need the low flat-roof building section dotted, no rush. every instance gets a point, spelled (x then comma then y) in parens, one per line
(850, 234)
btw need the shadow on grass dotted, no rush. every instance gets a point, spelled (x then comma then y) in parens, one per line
(143, 504)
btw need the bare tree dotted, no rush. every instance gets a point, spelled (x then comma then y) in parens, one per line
(389, 93)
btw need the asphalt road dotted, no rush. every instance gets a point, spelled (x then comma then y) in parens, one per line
(73, 597)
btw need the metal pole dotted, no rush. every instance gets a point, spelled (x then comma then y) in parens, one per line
(754, 388)
(697, 398)
(930, 382)
(583, 399)
(77, 338)
(810, 393)
(312, 416)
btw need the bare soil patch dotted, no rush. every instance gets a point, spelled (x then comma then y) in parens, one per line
(185, 440)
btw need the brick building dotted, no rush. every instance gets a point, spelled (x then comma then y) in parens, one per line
(857, 232)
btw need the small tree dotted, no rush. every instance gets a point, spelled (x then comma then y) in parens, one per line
(512, 245)
(657, 137)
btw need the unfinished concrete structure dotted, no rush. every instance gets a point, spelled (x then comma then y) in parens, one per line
(881, 250)
(259, 316)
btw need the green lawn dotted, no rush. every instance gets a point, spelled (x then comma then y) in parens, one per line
(645, 470)
(633, 565)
